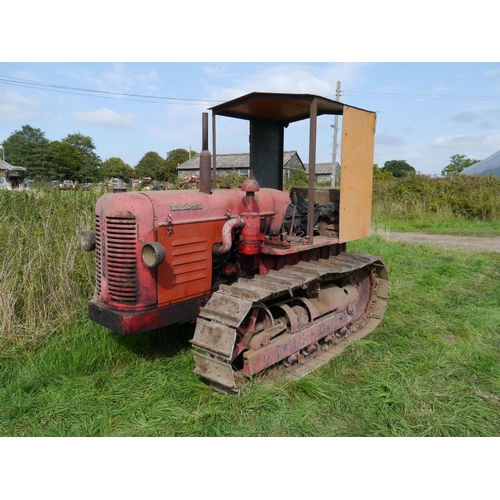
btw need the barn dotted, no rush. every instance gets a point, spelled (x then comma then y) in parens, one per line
(323, 172)
(239, 163)
(488, 166)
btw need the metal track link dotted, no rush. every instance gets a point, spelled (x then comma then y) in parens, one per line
(216, 328)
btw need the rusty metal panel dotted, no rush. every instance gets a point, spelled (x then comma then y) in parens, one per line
(187, 270)
(356, 179)
(214, 370)
(216, 337)
(283, 108)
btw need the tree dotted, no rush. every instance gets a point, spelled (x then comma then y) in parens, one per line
(175, 158)
(30, 148)
(116, 167)
(80, 161)
(298, 178)
(457, 164)
(151, 165)
(399, 168)
(68, 160)
(380, 175)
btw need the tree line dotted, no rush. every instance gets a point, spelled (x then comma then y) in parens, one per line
(74, 158)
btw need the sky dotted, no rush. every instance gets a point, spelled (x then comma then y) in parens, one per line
(426, 112)
(138, 80)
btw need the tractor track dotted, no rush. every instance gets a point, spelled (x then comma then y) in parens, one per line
(217, 326)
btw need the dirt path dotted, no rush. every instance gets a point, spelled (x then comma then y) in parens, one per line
(467, 243)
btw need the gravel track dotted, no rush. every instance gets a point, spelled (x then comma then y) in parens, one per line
(467, 243)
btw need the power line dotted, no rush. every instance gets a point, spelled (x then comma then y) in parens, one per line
(65, 89)
(20, 82)
(395, 95)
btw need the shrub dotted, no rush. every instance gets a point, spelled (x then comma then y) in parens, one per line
(472, 197)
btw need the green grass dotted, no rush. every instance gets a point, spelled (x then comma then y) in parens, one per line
(432, 368)
(435, 224)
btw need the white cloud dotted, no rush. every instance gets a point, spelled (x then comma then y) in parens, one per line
(475, 142)
(218, 70)
(106, 118)
(121, 78)
(414, 155)
(493, 72)
(293, 78)
(124, 78)
(15, 107)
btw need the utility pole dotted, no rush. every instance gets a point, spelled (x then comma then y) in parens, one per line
(334, 154)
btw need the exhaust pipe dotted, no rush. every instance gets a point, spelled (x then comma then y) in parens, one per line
(205, 158)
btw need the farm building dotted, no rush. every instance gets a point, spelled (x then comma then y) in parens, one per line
(488, 166)
(11, 176)
(324, 172)
(4, 166)
(239, 163)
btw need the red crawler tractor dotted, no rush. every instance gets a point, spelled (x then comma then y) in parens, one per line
(263, 273)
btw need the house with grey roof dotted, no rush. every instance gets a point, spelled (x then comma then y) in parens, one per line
(239, 163)
(323, 172)
(4, 166)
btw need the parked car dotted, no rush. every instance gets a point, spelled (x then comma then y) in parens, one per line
(67, 185)
(117, 184)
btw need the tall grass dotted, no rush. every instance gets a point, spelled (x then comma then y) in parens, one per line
(43, 272)
(454, 203)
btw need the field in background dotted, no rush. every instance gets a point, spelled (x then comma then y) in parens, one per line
(432, 368)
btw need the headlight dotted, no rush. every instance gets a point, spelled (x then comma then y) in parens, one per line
(153, 254)
(87, 240)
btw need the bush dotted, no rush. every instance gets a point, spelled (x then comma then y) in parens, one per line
(472, 197)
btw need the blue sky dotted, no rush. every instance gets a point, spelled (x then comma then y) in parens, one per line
(426, 112)
(59, 76)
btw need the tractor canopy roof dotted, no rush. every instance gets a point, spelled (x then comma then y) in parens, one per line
(279, 107)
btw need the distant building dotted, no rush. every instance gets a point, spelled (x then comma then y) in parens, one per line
(240, 163)
(11, 176)
(4, 166)
(323, 172)
(488, 166)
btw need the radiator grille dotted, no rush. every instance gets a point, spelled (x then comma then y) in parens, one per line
(119, 258)
(98, 255)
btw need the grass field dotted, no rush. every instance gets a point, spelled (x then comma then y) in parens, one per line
(430, 369)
